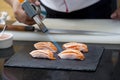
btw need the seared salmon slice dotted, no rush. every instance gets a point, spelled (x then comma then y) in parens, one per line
(42, 54)
(71, 54)
(46, 46)
(76, 46)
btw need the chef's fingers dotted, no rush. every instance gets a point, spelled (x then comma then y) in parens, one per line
(29, 22)
(35, 1)
(22, 17)
(32, 1)
(116, 14)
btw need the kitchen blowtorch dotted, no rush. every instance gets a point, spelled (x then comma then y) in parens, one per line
(34, 12)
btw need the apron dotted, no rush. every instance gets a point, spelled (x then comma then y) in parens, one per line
(100, 10)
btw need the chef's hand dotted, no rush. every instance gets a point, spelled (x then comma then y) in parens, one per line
(20, 14)
(116, 14)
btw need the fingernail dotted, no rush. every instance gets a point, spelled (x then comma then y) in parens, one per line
(113, 15)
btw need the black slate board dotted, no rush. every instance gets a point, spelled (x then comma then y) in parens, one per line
(24, 60)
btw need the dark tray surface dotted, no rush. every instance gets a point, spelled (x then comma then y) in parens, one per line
(23, 59)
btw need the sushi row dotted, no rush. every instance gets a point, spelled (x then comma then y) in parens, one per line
(71, 50)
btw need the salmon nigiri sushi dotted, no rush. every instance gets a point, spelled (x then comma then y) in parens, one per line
(71, 54)
(76, 46)
(46, 45)
(42, 54)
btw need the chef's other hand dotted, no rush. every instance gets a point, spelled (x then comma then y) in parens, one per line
(20, 14)
(116, 14)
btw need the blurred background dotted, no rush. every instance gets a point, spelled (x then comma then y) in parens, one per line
(5, 7)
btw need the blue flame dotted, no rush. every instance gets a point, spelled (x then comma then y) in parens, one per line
(54, 42)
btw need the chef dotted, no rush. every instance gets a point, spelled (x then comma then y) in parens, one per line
(82, 9)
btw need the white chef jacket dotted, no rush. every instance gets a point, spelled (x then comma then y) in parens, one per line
(68, 5)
